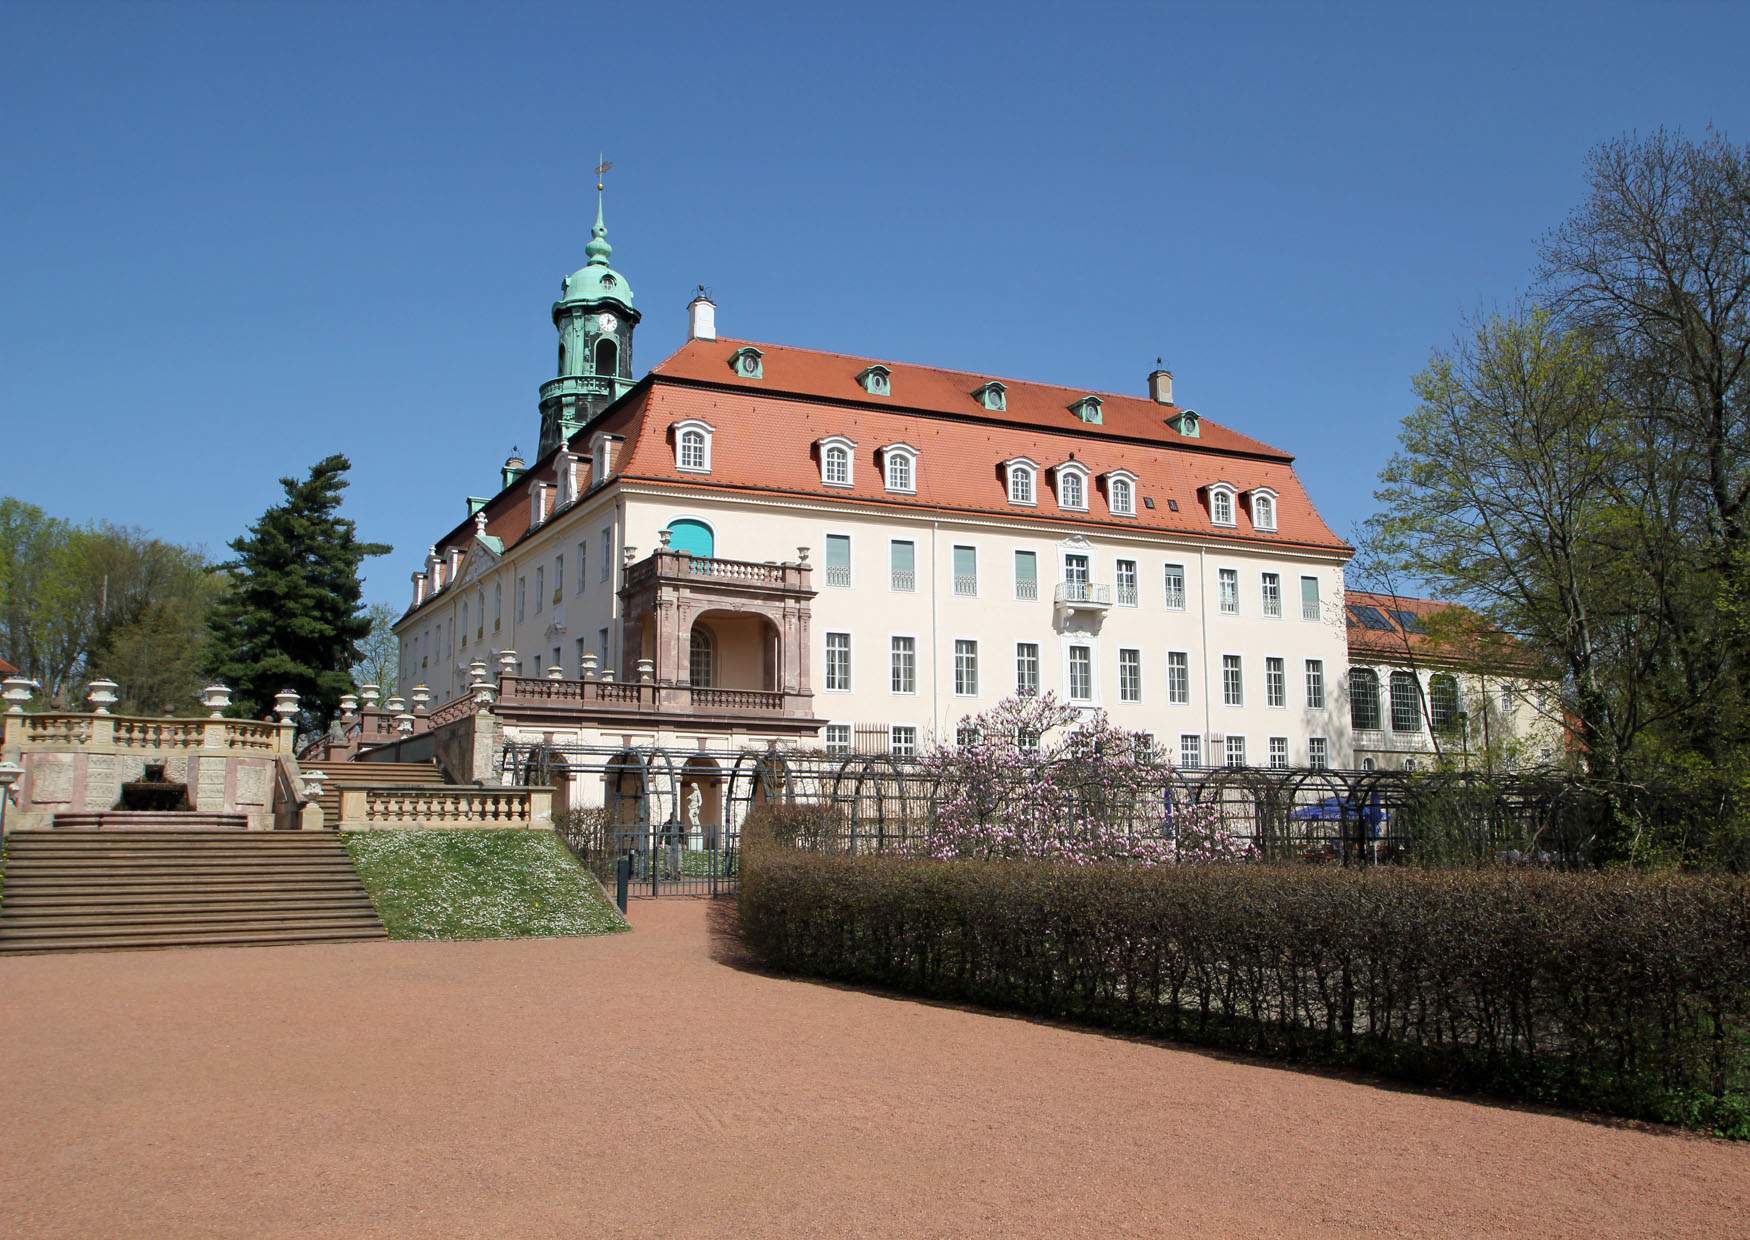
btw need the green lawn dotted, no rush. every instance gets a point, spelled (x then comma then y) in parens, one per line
(479, 885)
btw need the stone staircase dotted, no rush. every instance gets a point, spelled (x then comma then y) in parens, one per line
(75, 890)
(369, 775)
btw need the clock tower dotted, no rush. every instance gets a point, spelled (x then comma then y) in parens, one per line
(595, 317)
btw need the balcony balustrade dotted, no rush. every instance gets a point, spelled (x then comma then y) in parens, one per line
(966, 585)
(1088, 594)
(1027, 589)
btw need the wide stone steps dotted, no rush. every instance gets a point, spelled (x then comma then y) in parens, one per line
(114, 890)
(369, 775)
(151, 820)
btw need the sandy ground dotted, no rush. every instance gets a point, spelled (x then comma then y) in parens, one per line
(645, 1085)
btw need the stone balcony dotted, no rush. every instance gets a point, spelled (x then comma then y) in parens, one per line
(646, 701)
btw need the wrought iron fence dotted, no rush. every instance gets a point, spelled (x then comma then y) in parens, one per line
(879, 802)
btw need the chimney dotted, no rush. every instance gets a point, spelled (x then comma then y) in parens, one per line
(702, 317)
(513, 469)
(1160, 384)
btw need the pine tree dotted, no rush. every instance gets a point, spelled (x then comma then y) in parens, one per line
(294, 617)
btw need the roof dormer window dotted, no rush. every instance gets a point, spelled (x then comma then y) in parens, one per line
(1072, 486)
(993, 396)
(1221, 503)
(1121, 493)
(1187, 423)
(899, 464)
(692, 446)
(1263, 504)
(877, 380)
(838, 459)
(748, 362)
(1087, 409)
(1023, 480)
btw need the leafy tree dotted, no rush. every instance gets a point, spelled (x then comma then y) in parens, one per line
(379, 661)
(293, 618)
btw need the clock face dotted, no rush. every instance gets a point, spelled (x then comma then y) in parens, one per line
(606, 323)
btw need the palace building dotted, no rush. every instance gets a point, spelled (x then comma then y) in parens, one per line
(756, 545)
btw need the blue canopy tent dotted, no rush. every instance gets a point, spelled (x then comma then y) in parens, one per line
(1338, 809)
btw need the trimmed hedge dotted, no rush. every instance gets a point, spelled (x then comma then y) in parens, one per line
(1618, 992)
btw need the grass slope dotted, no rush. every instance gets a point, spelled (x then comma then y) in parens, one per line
(479, 885)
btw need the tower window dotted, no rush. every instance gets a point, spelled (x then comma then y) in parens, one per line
(607, 357)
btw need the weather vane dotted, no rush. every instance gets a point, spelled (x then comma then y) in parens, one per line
(601, 170)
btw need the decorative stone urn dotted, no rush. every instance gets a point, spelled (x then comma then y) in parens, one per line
(802, 555)
(285, 704)
(370, 695)
(18, 692)
(646, 670)
(314, 783)
(477, 672)
(665, 536)
(507, 662)
(102, 695)
(588, 669)
(555, 672)
(484, 692)
(607, 675)
(404, 723)
(396, 704)
(216, 698)
(421, 696)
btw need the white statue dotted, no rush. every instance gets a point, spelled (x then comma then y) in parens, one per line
(695, 800)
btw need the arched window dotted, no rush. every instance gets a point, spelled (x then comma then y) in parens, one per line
(836, 466)
(693, 450)
(701, 658)
(693, 537)
(1364, 699)
(1263, 512)
(1071, 490)
(1221, 507)
(901, 469)
(1021, 484)
(1442, 702)
(1122, 501)
(607, 356)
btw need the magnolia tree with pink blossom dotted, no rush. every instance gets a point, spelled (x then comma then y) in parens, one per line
(1037, 779)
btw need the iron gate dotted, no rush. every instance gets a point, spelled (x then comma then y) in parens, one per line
(677, 859)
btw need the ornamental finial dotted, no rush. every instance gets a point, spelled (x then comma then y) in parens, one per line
(598, 250)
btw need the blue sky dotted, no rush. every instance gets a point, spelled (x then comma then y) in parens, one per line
(236, 238)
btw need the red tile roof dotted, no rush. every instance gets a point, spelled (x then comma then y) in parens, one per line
(1470, 639)
(6, 669)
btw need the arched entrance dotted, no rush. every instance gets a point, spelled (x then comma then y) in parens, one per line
(692, 537)
(702, 802)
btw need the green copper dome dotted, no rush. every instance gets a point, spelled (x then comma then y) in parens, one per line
(595, 280)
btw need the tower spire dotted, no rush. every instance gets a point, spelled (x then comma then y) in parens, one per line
(598, 251)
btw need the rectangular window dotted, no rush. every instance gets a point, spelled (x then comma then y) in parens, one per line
(902, 740)
(1190, 751)
(1130, 675)
(522, 598)
(1229, 579)
(1309, 598)
(1175, 587)
(1271, 588)
(1127, 583)
(1317, 754)
(903, 564)
(1232, 688)
(838, 661)
(1026, 575)
(497, 604)
(607, 567)
(966, 571)
(537, 665)
(601, 641)
(1081, 674)
(1178, 677)
(838, 738)
(540, 588)
(905, 665)
(1278, 752)
(1236, 751)
(582, 649)
(558, 577)
(1364, 699)
(1027, 669)
(1275, 683)
(966, 668)
(838, 561)
(582, 565)
(1406, 703)
(558, 656)
(1315, 683)
(965, 736)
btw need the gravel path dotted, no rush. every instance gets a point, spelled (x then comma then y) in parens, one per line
(641, 1085)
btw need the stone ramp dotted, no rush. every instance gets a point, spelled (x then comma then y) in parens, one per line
(86, 890)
